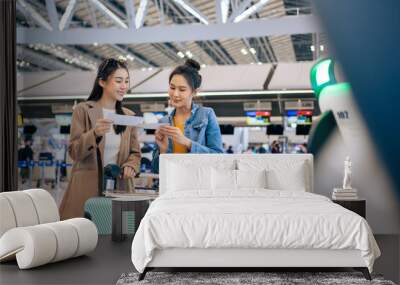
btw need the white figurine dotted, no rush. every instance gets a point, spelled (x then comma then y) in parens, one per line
(347, 173)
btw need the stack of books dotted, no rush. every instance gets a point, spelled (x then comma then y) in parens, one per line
(344, 194)
(150, 191)
(133, 194)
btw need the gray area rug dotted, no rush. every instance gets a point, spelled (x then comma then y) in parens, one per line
(273, 278)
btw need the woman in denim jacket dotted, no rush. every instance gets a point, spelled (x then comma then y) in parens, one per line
(190, 128)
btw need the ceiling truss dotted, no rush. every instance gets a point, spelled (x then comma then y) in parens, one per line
(155, 33)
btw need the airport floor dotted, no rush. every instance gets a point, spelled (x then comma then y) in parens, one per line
(103, 266)
(110, 260)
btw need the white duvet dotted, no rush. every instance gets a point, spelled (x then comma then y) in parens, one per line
(250, 219)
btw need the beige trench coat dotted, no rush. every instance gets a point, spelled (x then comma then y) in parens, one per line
(87, 155)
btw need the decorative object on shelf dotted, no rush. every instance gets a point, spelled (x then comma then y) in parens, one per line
(344, 194)
(148, 193)
(347, 192)
(347, 174)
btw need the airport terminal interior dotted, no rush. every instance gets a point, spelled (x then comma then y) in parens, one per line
(285, 78)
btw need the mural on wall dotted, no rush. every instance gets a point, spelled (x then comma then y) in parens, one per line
(342, 132)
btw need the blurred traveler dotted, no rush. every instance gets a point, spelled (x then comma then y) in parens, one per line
(25, 154)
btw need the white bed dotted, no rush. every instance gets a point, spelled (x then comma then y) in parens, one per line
(231, 211)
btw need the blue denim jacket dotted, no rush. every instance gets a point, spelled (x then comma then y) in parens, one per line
(201, 127)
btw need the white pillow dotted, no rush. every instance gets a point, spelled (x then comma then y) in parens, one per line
(293, 179)
(251, 178)
(282, 173)
(223, 179)
(182, 177)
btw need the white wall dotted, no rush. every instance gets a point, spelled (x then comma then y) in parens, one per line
(297, 75)
(215, 78)
(80, 83)
(65, 83)
(291, 76)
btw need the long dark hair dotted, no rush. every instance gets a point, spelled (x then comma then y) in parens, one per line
(106, 68)
(189, 70)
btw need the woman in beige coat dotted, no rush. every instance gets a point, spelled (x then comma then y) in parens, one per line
(96, 142)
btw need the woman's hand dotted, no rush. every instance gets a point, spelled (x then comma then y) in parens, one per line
(102, 127)
(162, 141)
(128, 172)
(176, 135)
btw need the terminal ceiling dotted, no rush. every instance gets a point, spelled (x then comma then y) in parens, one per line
(61, 16)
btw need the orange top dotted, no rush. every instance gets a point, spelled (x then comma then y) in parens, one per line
(179, 148)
